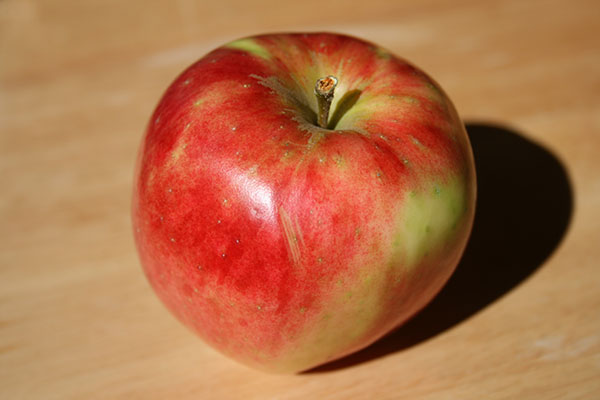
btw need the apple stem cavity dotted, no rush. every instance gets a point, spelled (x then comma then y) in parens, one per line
(324, 89)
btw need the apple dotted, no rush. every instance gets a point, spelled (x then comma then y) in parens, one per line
(298, 196)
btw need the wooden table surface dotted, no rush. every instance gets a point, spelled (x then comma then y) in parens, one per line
(519, 320)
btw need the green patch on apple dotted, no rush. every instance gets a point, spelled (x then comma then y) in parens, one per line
(251, 46)
(428, 220)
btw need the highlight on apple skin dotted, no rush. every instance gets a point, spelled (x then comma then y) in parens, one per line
(286, 238)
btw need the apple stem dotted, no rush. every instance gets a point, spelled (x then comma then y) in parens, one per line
(324, 89)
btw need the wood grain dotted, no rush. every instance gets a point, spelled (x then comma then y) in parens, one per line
(78, 81)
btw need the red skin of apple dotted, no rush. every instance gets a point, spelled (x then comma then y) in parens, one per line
(285, 245)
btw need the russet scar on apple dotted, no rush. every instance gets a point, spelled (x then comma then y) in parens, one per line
(298, 196)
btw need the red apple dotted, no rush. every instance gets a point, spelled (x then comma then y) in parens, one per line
(286, 238)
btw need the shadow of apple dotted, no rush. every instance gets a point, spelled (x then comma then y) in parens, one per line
(524, 206)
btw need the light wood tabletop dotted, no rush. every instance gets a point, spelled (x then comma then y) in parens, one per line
(520, 319)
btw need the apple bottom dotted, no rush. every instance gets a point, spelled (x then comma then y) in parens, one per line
(351, 321)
